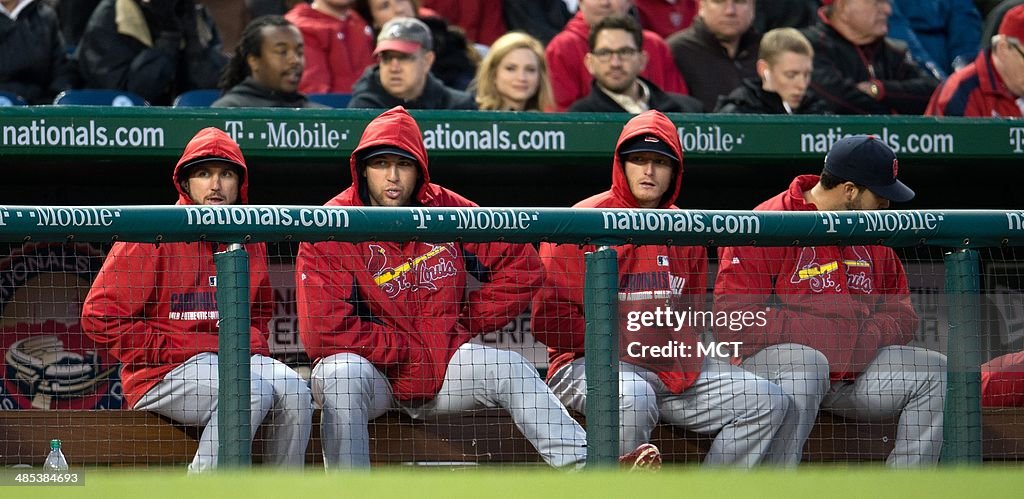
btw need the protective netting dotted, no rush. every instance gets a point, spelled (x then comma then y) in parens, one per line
(466, 353)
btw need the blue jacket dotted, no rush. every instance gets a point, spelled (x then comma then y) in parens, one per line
(939, 33)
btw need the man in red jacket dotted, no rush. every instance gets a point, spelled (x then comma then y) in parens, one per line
(389, 324)
(570, 79)
(993, 85)
(338, 43)
(838, 318)
(155, 308)
(701, 394)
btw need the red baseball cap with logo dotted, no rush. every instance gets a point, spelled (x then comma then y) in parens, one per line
(1012, 24)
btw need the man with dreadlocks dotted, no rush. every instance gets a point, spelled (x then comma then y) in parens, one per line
(266, 68)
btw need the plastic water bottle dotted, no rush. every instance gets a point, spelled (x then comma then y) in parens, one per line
(55, 462)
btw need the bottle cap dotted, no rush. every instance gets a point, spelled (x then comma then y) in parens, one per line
(55, 444)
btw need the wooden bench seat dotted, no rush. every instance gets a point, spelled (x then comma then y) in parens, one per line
(130, 438)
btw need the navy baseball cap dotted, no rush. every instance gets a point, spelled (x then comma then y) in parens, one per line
(377, 151)
(866, 160)
(647, 143)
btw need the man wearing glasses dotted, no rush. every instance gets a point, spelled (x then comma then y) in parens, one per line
(992, 85)
(405, 53)
(615, 60)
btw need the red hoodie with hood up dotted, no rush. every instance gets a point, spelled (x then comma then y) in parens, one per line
(650, 277)
(404, 306)
(844, 301)
(155, 306)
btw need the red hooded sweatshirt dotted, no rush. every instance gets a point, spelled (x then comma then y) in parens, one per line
(570, 79)
(650, 277)
(844, 301)
(337, 50)
(154, 306)
(404, 306)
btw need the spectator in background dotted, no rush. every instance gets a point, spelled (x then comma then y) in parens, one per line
(942, 35)
(615, 60)
(455, 59)
(389, 324)
(154, 48)
(838, 320)
(74, 15)
(665, 17)
(266, 68)
(480, 20)
(402, 75)
(542, 19)
(155, 307)
(858, 71)
(771, 14)
(992, 85)
(718, 50)
(784, 67)
(514, 76)
(705, 395)
(33, 61)
(339, 45)
(570, 79)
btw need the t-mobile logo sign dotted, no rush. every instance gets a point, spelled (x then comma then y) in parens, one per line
(1017, 139)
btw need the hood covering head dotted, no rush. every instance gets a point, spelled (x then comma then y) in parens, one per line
(394, 128)
(211, 144)
(647, 123)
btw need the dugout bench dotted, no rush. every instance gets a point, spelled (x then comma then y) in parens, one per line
(138, 438)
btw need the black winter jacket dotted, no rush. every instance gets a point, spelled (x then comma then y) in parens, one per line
(369, 93)
(706, 66)
(751, 98)
(156, 58)
(248, 93)
(840, 65)
(598, 102)
(33, 61)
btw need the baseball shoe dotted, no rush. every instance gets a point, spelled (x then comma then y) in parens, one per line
(646, 457)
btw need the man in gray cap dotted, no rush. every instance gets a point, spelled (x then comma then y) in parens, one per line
(401, 77)
(838, 318)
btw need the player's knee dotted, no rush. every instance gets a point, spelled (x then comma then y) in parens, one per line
(637, 395)
(774, 402)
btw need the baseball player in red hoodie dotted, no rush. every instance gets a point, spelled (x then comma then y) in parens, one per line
(389, 324)
(702, 394)
(155, 308)
(838, 318)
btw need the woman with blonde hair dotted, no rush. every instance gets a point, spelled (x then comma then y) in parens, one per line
(514, 76)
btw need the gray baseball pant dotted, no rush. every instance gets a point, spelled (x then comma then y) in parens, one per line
(353, 392)
(745, 410)
(901, 380)
(188, 395)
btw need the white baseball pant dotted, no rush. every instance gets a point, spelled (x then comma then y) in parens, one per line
(353, 392)
(745, 410)
(188, 395)
(900, 380)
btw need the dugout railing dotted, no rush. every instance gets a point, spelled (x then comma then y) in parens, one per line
(960, 234)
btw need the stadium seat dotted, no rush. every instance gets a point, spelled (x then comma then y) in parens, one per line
(337, 101)
(93, 97)
(197, 98)
(11, 99)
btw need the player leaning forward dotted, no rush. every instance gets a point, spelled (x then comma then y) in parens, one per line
(389, 324)
(701, 394)
(838, 318)
(154, 307)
